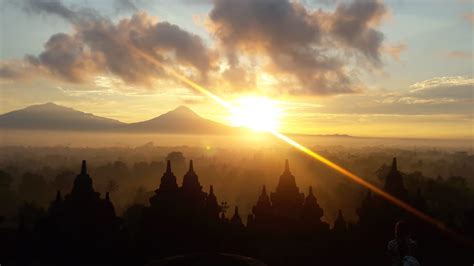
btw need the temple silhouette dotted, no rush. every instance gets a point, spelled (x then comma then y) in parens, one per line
(283, 228)
(287, 209)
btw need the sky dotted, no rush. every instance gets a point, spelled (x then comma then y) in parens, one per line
(365, 68)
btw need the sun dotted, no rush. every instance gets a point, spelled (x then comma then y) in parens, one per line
(256, 112)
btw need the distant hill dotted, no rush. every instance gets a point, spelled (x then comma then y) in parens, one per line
(50, 116)
(180, 120)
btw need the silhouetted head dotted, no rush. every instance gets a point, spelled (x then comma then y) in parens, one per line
(401, 230)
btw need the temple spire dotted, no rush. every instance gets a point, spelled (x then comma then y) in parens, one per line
(191, 180)
(236, 221)
(168, 180)
(84, 168)
(312, 212)
(287, 200)
(211, 206)
(82, 182)
(394, 182)
(264, 191)
(340, 224)
(236, 211)
(394, 164)
(287, 166)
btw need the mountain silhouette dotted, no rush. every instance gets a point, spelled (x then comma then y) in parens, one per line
(50, 116)
(179, 120)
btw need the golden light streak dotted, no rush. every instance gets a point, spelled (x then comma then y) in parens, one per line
(359, 180)
(182, 78)
(394, 200)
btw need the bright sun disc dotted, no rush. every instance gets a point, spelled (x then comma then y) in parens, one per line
(257, 113)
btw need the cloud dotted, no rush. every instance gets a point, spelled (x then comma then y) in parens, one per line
(49, 7)
(299, 43)
(12, 70)
(125, 5)
(354, 23)
(459, 55)
(65, 56)
(453, 89)
(469, 17)
(436, 96)
(395, 50)
(19, 69)
(99, 46)
(305, 51)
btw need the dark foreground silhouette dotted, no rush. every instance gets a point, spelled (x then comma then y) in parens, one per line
(183, 225)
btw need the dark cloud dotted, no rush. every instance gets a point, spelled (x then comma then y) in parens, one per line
(49, 7)
(19, 69)
(299, 42)
(11, 70)
(353, 25)
(100, 46)
(125, 5)
(165, 36)
(307, 51)
(65, 57)
(262, 21)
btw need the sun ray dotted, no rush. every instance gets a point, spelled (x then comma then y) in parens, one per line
(392, 199)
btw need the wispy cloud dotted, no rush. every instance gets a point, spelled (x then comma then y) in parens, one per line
(460, 54)
(444, 83)
(395, 50)
(469, 17)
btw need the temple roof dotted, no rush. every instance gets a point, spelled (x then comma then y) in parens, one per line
(394, 182)
(191, 180)
(287, 183)
(168, 180)
(311, 207)
(83, 182)
(340, 222)
(236, 220)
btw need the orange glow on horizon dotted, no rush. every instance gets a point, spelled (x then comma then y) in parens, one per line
(392, 199)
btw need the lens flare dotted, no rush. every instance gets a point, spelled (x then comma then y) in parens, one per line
(392, 199)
